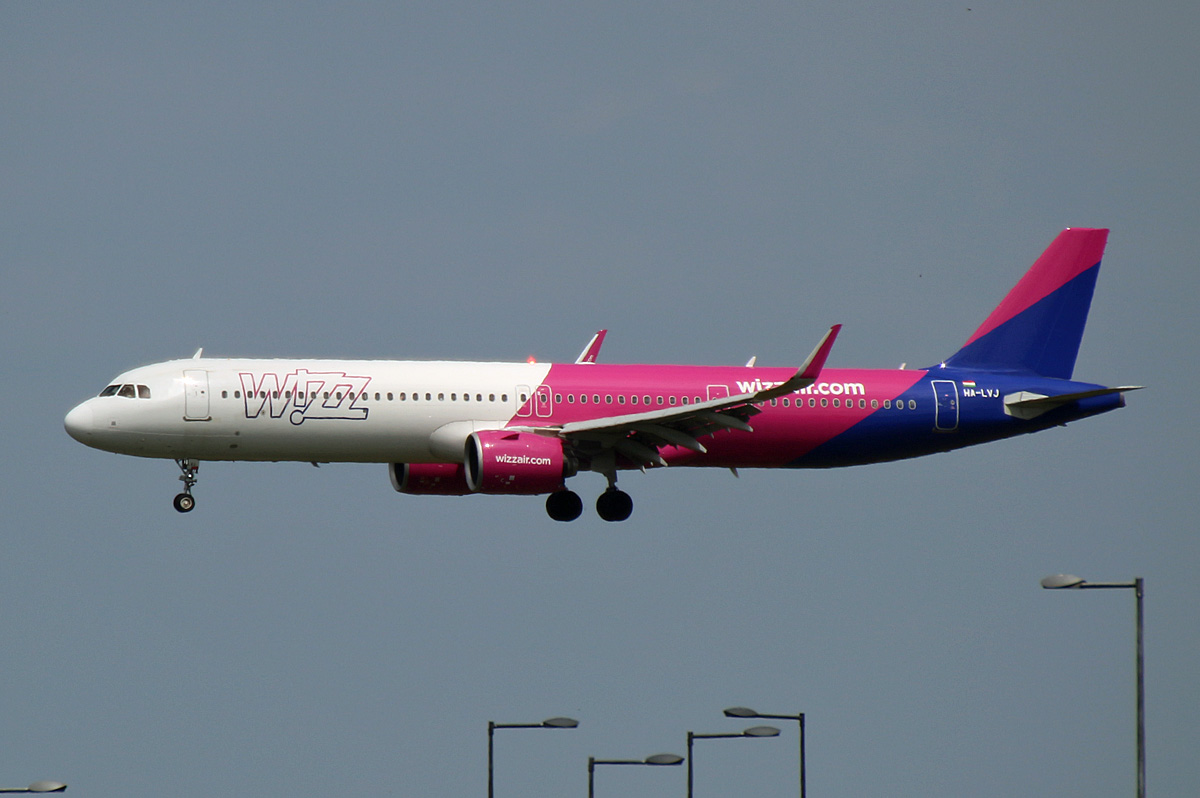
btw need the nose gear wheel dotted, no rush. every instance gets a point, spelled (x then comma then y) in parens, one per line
(184, 502)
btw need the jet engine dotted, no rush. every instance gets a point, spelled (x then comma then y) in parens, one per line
(429, 479)
(499, 461)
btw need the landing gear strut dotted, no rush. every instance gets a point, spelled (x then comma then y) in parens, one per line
(184, 501)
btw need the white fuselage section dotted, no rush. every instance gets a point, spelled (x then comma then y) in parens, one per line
(319, 410)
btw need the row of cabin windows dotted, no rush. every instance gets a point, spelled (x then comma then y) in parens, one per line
(127, 391)
(608, 399)
(144, 392)
(659, 400)
(366, 396)
(862, 403)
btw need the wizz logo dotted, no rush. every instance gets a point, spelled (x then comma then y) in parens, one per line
(303, 395)
(822, 388)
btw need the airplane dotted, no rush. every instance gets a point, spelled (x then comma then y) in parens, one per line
(456, 428)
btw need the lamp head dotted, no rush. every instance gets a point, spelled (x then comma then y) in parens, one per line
(1060, 581)
(664, 759)
(560, 723)
(761, 731)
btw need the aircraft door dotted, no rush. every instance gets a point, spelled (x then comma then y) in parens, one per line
(524, 402)
(718, 391)
(945, 414)
(195, 395)
(543, 401)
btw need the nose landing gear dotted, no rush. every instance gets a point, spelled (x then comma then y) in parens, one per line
(184, 502)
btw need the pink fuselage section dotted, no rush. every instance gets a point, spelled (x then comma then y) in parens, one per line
(786, 428)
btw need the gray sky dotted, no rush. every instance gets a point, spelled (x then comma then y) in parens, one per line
(709, 182)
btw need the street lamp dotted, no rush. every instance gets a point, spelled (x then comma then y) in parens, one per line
(1068, 581)
(657, 759)
(753, 731)
(743, 712)
(549, 723)
(42, 786)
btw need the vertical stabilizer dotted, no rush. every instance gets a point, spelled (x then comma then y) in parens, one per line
(1038, 326)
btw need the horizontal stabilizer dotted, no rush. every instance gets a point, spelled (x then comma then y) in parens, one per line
(1026, 405)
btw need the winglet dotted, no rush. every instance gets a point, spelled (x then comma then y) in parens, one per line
(592, 350)
(808, 372)
(816, 360)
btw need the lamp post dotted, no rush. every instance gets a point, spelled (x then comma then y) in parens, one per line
(1068, 581)
(549, 723)
(753, 731)
(657, 759)
(743, 712)
(42, 786)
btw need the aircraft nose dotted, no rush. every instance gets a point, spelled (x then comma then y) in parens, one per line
(80, 422)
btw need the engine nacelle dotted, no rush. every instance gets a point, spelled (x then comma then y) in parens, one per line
(431, 479)
(498, 461)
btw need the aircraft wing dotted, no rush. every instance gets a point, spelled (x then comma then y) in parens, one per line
(638, 436)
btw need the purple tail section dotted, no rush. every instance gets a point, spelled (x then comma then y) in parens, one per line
(1038, 326)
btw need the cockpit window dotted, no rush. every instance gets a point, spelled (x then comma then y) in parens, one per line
(127, 391)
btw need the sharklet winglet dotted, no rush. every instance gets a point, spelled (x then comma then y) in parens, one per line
(808, 372)
(592, 350)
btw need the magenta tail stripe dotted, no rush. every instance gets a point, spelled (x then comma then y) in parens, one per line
(1073, 252)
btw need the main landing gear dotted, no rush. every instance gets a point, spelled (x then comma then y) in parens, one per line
(564, 505)
(184, 501)
(613, 505)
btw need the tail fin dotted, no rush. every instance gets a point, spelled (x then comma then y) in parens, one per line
(1038, 326)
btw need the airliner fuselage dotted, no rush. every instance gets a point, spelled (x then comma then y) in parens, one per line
(450, 427)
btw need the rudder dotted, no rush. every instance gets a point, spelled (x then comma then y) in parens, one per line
(1038, 326)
